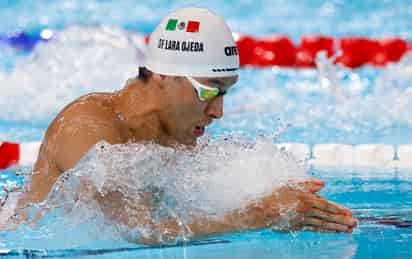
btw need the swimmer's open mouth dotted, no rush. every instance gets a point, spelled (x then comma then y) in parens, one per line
(199, 131)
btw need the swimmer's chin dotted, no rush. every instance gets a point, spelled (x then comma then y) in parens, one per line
(188, 144)
(190, 141)
(184, 143)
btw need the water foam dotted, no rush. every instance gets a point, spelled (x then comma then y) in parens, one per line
(215, 178)
(78, 61)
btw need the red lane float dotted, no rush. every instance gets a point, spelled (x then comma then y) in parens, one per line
(394, 48)
(245, 45)
(358, 51)
(9, 154)
(355, 51)
(310, 46)
(273, 51)
(279, 50)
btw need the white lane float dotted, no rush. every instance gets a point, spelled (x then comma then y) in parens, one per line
(404, 155)
(319, 155)
(332, 155)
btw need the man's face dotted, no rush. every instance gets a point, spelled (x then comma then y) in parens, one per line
(187, 116)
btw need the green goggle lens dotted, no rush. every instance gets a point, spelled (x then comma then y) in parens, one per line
(207, 94)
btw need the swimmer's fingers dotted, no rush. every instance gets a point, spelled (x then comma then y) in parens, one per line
(316, 223)
(312, 185)
(328, 206)
(334, 218)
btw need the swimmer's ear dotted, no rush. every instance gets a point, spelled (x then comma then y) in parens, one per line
(158, 79)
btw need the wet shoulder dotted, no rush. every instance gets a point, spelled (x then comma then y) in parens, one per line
(91, 112)
(95, 104)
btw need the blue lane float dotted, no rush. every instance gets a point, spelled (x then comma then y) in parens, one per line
(26, 41)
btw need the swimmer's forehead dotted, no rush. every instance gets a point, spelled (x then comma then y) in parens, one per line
(222, 83)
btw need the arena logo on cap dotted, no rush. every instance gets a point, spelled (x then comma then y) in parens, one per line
(188, 26)
(231, 51)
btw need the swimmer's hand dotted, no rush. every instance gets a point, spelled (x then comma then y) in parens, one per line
(296, 206)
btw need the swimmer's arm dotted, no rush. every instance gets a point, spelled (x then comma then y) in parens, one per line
(311, 212)
(251, 218)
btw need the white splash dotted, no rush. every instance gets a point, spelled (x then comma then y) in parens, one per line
(77, 61)
(215, 178)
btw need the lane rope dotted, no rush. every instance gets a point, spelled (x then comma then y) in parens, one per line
(383, 156)
(279, 50)
(276, 50)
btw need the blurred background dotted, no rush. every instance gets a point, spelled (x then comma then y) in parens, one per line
(51, 52)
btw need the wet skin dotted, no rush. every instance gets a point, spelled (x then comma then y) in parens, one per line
(166, 110)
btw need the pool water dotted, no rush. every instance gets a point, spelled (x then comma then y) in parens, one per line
(381, 202)
(366, 105)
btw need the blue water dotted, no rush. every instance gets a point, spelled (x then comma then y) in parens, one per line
(371, 106)
(381, 201)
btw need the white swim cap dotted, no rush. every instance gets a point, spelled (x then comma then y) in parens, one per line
(193, 42)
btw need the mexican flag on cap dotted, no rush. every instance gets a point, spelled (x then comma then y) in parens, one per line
(188, 26)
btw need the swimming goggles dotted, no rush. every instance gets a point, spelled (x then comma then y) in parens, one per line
(205, 92)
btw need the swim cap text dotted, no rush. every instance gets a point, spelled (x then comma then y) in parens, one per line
(187, 46)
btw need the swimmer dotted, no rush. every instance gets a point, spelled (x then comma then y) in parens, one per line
(192, 62)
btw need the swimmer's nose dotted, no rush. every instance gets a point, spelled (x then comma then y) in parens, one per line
(215, 108)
